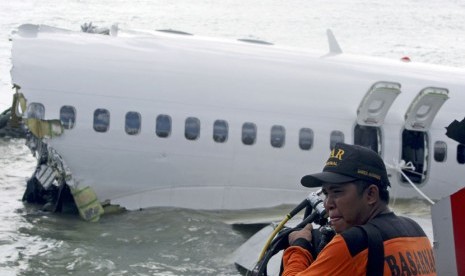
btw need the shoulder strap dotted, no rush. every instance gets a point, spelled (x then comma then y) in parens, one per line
(375, 265)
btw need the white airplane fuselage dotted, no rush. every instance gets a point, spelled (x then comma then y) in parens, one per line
(234, 81)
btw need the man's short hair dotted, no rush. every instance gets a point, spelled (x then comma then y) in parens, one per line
(362, 185)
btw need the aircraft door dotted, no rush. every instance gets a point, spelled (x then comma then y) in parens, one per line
(424, 108)
(371, 113)
(415, 140)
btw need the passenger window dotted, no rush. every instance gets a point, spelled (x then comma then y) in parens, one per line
(278, 136)
(220, 131)
(192, 128)
(440, 151)
(67, 116)
(36, 110)
(132, 123)
(305, 138)
(101, 120)
(336, 137)
(249, 133)
(163, 126)
(461, 153)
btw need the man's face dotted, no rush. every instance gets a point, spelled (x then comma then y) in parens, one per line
(345, 207)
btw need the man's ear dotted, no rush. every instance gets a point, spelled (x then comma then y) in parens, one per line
(372, 193)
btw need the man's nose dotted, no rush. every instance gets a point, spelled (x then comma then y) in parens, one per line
(328, 203)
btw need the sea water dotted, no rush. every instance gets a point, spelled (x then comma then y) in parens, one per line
(170, 241)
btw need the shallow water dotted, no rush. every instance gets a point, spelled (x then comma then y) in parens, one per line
(162, 241)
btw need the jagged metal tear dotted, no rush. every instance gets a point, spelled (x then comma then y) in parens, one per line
(456, 131)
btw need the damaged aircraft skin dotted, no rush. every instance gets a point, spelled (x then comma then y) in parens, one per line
(52, 184)
(145, 119)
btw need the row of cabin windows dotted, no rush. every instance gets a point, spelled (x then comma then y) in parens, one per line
(101, 123)
(363, 135)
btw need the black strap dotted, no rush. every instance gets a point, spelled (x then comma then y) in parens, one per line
(375, 265)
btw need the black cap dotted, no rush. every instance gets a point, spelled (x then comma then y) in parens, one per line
(347, 163)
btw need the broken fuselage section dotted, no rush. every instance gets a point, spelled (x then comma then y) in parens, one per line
(52, 184)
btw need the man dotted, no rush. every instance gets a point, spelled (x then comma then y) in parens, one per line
(370, 239)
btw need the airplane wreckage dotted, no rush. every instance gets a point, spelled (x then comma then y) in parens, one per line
(262, 111)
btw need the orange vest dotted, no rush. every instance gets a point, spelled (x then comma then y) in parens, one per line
(407, 251)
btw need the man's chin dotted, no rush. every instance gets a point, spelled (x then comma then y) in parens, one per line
(339, 225)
